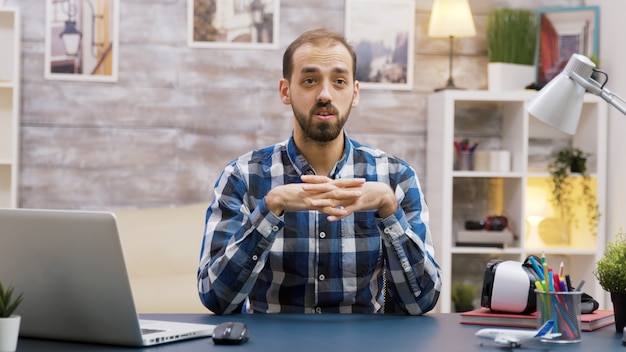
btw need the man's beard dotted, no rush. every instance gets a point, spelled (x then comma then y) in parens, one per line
(321, 131)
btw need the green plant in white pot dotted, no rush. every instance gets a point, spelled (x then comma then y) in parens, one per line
(610, 272)
(511, 42)
(9, 322)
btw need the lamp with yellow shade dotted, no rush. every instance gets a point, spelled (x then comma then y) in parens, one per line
(450, 19)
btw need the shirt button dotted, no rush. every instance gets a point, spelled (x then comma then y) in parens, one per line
(255, 258)
(274, 228)
(322, 234)
(321, 277)
(387, 230)
(318, 310)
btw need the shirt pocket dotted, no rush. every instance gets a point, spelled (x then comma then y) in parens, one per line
(361, 247)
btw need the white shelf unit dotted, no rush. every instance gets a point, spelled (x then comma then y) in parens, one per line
(10, 44)
(500, 122)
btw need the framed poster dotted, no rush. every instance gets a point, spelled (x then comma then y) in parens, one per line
(248, 24)
(382, 32)
(564, 31)
(82, 40)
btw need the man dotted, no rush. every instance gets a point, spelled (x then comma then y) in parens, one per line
(318, 223)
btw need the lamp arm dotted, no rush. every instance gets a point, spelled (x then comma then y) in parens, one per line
(594, 87)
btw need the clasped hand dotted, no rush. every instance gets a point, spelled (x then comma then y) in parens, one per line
(337, 198)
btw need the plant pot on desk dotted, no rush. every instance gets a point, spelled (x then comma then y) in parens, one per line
(619, 310)
(9, 331)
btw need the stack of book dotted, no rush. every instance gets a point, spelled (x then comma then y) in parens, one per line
(484, 316)
(484, 238)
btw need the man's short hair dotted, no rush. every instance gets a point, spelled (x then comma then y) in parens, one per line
(316, 37)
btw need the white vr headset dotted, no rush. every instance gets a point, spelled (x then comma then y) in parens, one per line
(509, 286)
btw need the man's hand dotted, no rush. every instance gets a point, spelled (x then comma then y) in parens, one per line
(337, 198)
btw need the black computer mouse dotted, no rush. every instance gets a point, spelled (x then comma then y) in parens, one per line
(230, 333)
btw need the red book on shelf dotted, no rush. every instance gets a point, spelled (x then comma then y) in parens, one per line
(484, 316)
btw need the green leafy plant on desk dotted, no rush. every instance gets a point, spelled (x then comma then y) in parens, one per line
(611, 274)
(568, 161)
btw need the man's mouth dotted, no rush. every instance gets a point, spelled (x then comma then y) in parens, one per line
(324, 115)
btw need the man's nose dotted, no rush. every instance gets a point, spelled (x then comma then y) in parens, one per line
(324, 94)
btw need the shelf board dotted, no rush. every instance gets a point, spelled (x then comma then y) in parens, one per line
(562, 251)
(518, 250)
(485, 250)
(480, 174)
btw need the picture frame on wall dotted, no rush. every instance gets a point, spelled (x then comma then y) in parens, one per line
(233, 24)
(382, 33)
(82, 40)
(564, 31)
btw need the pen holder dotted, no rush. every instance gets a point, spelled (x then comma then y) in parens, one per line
(463, 160)
(564, 309)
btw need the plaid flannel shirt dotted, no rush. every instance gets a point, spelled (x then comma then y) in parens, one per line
(300, 262)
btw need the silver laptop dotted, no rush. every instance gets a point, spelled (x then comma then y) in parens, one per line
(70, 267)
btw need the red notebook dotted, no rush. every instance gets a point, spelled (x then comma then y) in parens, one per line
(484, 316)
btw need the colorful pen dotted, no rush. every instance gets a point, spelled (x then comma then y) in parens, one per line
(537, 268)
(568, 282)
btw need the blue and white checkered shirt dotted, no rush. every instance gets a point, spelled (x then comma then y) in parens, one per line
(300, 262)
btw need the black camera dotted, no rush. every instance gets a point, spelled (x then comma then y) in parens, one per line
(491, 223)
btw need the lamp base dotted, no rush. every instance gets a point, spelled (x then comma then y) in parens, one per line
(450, 85)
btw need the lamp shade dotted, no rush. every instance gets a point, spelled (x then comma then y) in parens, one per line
(451, 18)
(560, 102)
(71, 38)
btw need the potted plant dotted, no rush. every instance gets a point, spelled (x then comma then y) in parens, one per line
(610, 271)
(566, 162)
(463, 295)
(9, 323)
(511, 41)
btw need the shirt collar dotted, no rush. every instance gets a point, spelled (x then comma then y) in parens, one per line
(302, 166)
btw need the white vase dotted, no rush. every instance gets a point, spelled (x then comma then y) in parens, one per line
(504, 76)
(9, 331)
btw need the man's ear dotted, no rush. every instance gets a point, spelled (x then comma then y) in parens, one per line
(355, 98)
(283, 90)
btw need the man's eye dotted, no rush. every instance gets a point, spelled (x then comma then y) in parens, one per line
(308, 81)
(341, 81)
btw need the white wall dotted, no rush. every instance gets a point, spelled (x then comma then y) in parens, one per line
(612, 57)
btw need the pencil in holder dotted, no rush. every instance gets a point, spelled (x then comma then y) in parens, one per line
(463, 160)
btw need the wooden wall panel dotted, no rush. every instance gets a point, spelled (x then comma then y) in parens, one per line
(162, 134)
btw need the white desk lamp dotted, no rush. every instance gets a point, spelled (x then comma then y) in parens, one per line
(560, 102)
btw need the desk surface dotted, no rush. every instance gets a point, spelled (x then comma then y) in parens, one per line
(350, 332)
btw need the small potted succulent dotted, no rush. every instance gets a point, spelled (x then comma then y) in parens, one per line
(610, 271)
(463, 295)
(9, 322)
